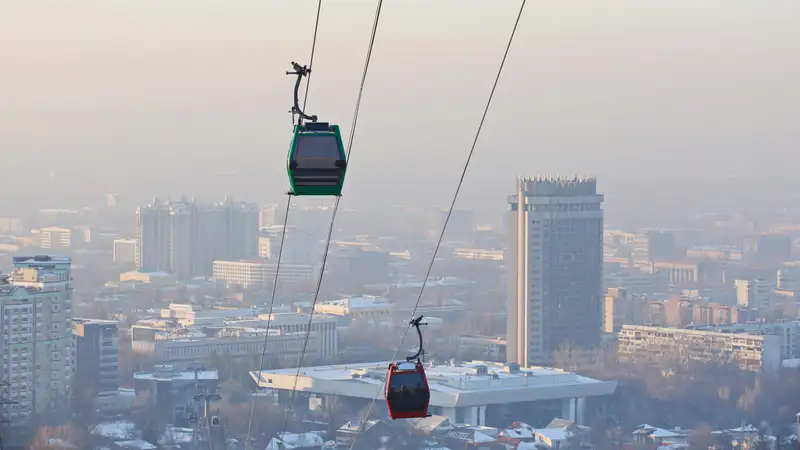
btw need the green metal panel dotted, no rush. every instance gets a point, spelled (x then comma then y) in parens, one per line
(296, 187)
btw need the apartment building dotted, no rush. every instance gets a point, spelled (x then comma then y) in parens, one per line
(36, 346)
(788, 332)
(185, 237)
(753, 352)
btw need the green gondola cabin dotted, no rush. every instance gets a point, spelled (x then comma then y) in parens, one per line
(317, 162)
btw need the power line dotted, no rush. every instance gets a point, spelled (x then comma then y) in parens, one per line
(313, 49)
(350, 141)
(283, 238)
(450, 210)
(269, 321)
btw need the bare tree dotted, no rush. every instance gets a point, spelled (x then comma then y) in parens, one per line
(701, 437)
(59, 438)
(335, 411)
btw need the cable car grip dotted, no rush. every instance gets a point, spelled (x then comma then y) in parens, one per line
(300, 72)
(416, 323)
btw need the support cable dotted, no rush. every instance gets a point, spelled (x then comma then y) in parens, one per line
(269, 322)
(283, 238)
(449, 213)
(350, 141)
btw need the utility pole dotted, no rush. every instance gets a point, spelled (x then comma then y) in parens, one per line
(205, 400)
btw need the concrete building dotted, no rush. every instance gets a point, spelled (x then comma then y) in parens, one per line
(488, 347)
(653, 245)
(620, 307)
(366, 307)
(752, 352)
(185, 237)
(555, 265)
(789, 277)
(266, 215)
(36, 345)
(258, 274)
(190, 347)
(299, 245)
(774, 248)
(478, 253)
(171, 392)
(125, 251)
(97, 355)
(57, 238)
(477, 393)
(265, 247)
(788, 333)
(755, 293)
(182, 316)
(10, 225)
(191, 315)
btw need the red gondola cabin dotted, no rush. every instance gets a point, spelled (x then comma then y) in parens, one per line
(407, 393)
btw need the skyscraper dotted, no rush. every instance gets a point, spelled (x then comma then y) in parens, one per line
(555, 261)
(185, 237)
(37, 356)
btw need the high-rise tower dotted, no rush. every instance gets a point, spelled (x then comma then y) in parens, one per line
(37, 355)
(185, 237)
(555, 261)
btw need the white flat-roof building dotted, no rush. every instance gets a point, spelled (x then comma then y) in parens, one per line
(257, 274)
(478, 393)
(367, 307)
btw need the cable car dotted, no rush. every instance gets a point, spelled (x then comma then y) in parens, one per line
(407, 392)
(317, 161)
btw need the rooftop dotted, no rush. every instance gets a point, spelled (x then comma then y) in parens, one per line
(472, 383)
(10, 290)
(37, 259)
(165, 373)
(442, 282)
(364, 302)
(94, 321)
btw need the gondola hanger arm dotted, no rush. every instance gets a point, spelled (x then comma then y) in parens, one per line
(299, 72)
(416, 323)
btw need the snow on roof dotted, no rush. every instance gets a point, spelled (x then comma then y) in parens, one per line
(114, 430)
(287, 441)
(166, 374)
(442, 282)
(519, 433)
(176, 435)
(443, 378)
(363, 302)
(469, 435)
(553, 434)
(136, 444)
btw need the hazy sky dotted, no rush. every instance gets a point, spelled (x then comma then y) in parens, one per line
(159, 96)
